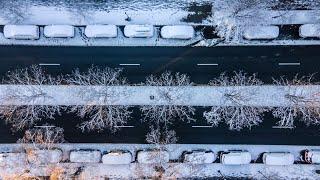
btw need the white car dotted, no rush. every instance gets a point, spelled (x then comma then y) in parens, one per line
(13, 159)
(45, 156)
(278, 158)
(138, 31)
(199, 157)
(177, 32)
(261, 32)
(101, 31)
(152, 156)
(117, 157)
(85, 156)
(59, 31)
(312, 156)
(235, 157)
(30, 32)
(309, 30)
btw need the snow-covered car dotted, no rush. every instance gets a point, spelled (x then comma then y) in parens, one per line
(117, 157)
(309, 31)
(59, 31)
(199, 157)
(312, 156)
(153, 156)
(235, 157)
(177, 32)
(44, 156)
(278, 158)
(138, 31)
(21, 32)
(13, 158)
(85, 156)
(101, 31)
(261, 32)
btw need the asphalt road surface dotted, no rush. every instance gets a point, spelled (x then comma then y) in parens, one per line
(202, 64)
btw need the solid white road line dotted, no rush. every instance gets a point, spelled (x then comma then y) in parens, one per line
(213, 64)
(43, 126)
(202, 126)
(129, 64)
(124, 126)
(48, 64)
(289, 64)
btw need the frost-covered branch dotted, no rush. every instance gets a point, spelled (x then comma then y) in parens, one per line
(305, 106)
(167, 113)
(100, 116)
(238, 115)
(21, 116)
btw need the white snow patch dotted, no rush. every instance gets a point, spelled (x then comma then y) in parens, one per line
(13, 159)
(177, 32)
(152, 156)
(101, 31)
(309, 30)
(21, 32)
(59, 31)
(85, 156)
(199, 157)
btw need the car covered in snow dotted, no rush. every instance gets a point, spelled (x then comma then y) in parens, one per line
(44, 156)
(85, 156)
(312, 156)
(117, 157)
(235, 157)
(261, 32)
(153, 156)
(59, 31)
(177, 32)
(199, 157)
(13, 158)
(138, 31)
(101, 31)
(30, 32)
(278, 158)
(309, 31)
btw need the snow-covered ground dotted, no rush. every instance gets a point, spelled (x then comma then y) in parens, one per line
(265, 95)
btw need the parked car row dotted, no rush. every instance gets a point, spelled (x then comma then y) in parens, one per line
(151, 156)
(31, 32)
(272, 32)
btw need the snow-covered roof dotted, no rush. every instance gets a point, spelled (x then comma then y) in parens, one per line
(314, 156)
(59, 31)
(99, 31)
(278, 158)
(236, 158)
(260, 32)
(199, 157)
(45, 156)
(85, 156)
(309, 30)
(139, 31)
(177, 32)
(21, 32)
(152, 156)
(117, 158)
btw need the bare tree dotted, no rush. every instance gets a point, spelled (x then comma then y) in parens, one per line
(100, 116)
(21, 116)
(303, 105)
(237, 114)
(43, 137)
(167, 93)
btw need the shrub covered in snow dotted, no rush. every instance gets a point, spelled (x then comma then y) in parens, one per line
(199, 157)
